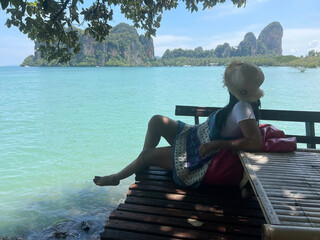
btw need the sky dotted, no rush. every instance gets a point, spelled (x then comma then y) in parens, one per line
(180, 28)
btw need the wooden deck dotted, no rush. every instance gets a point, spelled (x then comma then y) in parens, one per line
(287, 186)
(157, 208)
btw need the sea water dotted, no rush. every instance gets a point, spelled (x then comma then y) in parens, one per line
(59, 127)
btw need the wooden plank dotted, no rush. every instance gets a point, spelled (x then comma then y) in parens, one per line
(293, 164)
(288, 232)
(308, 150)
(285, 165)
(189, 223)
(265, 204)
(287, 187)
(297, 212)
(280, 178)
(293, 196)
(300, 224)
(156, 172)
(290, 183)
(280, 170)
(177, 232)
(201, 216)
(227, 202)
(210, 192)
(159, 183)
(220, 209)
(113, 234)
(308, 191)
(154, 178)
(310, 132)
(289, 207)
(296, 202)
(203, 190)
(265, 114)
(289, 159)
(305, 139)
(303, 219)
(194, 111)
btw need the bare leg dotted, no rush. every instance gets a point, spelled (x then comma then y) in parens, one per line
(157, 156)
(159, 126)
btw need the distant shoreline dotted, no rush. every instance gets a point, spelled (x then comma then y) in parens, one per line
(276, 61)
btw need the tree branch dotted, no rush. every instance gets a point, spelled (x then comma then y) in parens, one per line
(64, 6)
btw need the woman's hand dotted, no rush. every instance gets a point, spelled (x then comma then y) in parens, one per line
(208, 148)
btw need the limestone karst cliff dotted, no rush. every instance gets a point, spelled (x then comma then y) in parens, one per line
(268, 43)
(123, 47)
(271, 37)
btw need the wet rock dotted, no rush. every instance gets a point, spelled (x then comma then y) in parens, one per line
(85, 226)
(60, 235)
(61, 230)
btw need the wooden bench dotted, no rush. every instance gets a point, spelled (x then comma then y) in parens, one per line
(287, 185)
(307, 117)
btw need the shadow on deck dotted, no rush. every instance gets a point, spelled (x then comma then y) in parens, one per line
(157, 208)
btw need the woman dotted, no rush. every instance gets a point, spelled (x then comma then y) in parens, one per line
(192, 148)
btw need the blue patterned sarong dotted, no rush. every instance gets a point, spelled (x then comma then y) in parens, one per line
(189, 168)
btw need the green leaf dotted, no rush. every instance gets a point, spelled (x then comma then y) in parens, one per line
(29, 10)
(4, 4)
(15, 3)
(45, 5)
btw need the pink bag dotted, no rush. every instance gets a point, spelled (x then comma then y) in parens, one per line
(270, 131)
(274, 140)
(226, 168)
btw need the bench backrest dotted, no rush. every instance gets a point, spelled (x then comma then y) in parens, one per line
(308, 117)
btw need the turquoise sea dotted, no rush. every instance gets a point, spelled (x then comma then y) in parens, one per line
(59, 127)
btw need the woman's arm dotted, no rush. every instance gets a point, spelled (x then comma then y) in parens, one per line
(251, 141)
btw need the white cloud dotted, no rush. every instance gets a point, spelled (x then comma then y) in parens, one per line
(299, 41)
(233, 38)
(315, 44)
(228, 9)
(224, 10)
(164, 42)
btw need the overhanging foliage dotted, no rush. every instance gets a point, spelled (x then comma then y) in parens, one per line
(51, 22)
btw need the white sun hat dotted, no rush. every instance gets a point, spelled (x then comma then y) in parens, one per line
(243, 80)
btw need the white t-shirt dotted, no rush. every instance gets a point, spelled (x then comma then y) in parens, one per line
(241, 111)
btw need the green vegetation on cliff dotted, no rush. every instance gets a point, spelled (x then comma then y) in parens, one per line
(266, 50)
(310, 61)
(269, 43)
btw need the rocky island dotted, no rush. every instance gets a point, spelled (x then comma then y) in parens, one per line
(124, 47)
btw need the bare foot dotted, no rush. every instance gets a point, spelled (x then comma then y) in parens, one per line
(109, 180)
